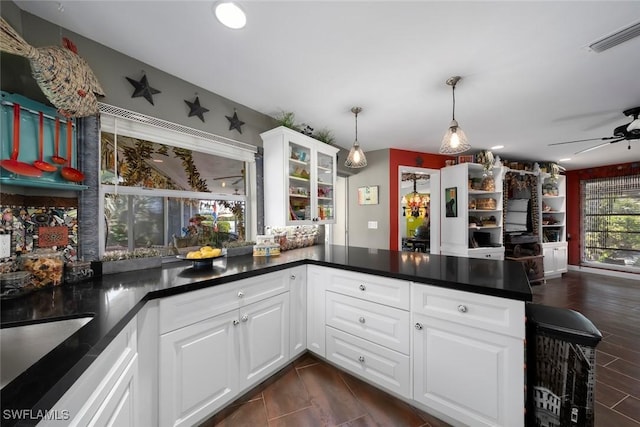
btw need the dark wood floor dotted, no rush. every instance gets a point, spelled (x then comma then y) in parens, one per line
(613, 305)
(312, 393)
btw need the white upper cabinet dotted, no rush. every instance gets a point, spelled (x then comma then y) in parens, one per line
(299, 179)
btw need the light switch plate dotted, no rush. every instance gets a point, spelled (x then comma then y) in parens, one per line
(5, 245)
(372, 225)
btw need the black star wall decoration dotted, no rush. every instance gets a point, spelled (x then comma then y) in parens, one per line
(142, 88)
(235, 122)
(197, 109)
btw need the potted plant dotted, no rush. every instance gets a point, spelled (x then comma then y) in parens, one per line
(138, 259)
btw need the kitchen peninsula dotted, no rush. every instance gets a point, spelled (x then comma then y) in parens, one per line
(421, 308)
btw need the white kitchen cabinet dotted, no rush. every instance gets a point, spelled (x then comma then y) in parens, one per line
(471, 212)
(366, 326)
(199, 370)
(299, 179)
(106, 394)
(205, 365)
(316, 286)
(468, 356)
(298, 309)
(555, 259)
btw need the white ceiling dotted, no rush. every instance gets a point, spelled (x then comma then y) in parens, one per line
(528, 78)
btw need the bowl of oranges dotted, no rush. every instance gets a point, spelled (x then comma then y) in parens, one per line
(202, 258)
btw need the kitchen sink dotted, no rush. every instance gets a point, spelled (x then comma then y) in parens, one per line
(22, 346)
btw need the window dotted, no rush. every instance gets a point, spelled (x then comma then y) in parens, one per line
(611, 222)
(167, 185)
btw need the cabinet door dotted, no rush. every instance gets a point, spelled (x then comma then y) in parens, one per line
(325, 168)
(298, 308)
(549, 260)
(474, 376)
(118, 409)
(264, 338)
(198, 370)
(316, 285)
(561, 259)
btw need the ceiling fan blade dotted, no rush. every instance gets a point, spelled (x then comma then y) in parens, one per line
(599, 146)
(606, 138)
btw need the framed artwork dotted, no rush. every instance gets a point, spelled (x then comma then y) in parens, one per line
(451, 202)
(368, 195)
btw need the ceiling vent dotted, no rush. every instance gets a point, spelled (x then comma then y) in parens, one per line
(616, 38)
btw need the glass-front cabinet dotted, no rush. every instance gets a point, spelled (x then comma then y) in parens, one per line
(299, 179)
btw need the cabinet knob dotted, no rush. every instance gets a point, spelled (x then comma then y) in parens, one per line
(488, 256)
(245, 318)
(361, 359)
(362, 287)
(293, 277)
(462, 308)
(361, 320)
(236, 322)
(418, 326)
(240, 294)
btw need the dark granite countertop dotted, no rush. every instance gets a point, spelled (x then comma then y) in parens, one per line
(114, 300)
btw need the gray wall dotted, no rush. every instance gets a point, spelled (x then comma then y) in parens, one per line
(376, 173)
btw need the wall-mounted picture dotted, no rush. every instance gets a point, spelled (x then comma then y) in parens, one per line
(451, 202)
(368, 195)
(469, 158)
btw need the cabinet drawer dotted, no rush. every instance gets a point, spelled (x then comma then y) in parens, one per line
(192, 307)
(487, 253)
(384, 325)
(500, 315)
(385, 368)
(383, 290)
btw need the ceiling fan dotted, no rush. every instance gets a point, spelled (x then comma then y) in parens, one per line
(224, 178)
(626, 132)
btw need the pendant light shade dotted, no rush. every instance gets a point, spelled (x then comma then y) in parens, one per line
(356, 157)
(454, 140)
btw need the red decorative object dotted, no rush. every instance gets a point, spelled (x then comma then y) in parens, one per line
(53, 236)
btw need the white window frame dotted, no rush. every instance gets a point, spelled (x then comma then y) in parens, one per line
(127, 123)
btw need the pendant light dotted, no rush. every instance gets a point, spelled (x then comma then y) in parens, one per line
(454, 141)
(356, 157)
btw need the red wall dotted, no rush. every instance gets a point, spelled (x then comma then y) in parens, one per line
(406, 158)
(574, 196)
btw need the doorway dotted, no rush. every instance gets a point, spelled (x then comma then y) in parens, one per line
(425, 183)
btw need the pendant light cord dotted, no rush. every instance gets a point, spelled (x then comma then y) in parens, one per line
(356, 127)
(453, 92)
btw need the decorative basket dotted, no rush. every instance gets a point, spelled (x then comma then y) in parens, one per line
(485, 203)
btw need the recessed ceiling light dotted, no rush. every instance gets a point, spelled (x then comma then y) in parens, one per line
(497, 147)
(565, 160)
(230, 14)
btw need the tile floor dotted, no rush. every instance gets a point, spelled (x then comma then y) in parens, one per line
(312, 393)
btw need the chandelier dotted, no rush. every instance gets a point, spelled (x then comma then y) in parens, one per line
(414, 204)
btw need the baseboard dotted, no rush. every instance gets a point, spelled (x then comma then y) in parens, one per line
(604, 272)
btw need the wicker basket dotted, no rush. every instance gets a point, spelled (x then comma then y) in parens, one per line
(485, 203)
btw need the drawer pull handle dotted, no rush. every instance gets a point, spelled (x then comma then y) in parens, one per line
(418, 326)
(361, 359)
(240, 294)
(245, 318)
(462, 308)
(362, 287)
(235, 322)
(361, 320)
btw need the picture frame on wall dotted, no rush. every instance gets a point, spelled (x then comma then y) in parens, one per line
(451, 202)
(368, 195)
